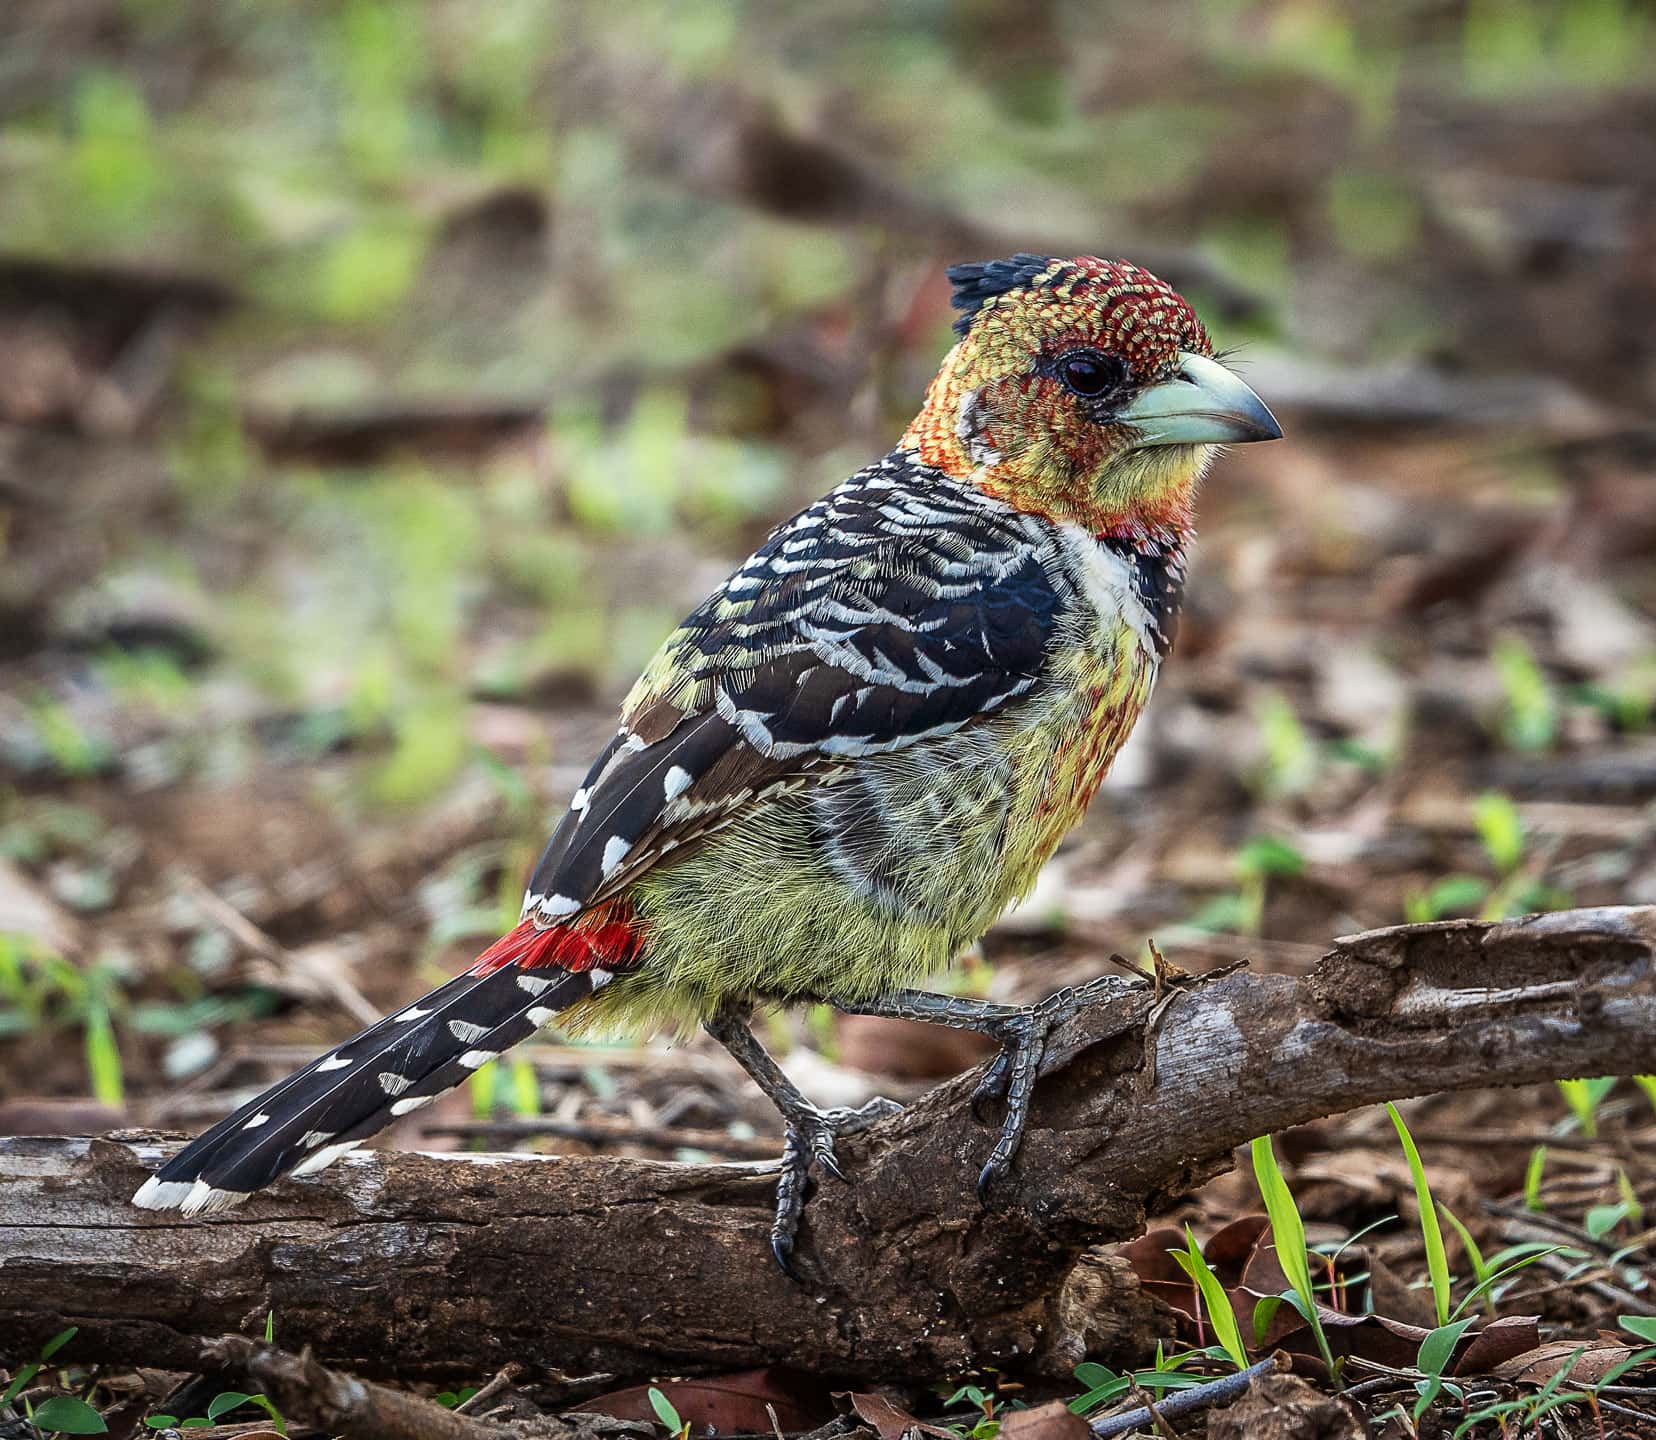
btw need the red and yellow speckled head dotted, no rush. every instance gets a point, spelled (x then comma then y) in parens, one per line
(1083, 389)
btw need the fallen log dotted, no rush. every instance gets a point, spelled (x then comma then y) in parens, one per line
(443, 1267)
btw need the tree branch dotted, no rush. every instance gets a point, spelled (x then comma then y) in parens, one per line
(451, 1266)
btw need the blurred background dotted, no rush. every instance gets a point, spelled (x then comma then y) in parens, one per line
(381, 380)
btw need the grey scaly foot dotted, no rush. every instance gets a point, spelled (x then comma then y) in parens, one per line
(809, 1133)
(809, 1145)
(1022, 1031)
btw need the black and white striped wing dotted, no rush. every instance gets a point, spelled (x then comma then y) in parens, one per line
(899, 608)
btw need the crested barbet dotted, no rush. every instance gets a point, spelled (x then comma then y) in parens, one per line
(848, 761)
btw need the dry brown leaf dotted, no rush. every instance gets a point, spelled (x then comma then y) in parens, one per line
(1055, 1421)
(1537, 1366)
(1497, 1343)
(890, 1420)
(731, 1404)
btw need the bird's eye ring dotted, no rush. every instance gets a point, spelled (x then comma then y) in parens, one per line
(1090, 373)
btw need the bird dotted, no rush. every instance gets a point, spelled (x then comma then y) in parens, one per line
(852, 757)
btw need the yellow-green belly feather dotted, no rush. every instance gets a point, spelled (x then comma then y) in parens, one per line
(760, 908)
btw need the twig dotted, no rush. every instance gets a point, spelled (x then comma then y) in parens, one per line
(229, 919)
(1185, 1402)
(309, 1392)
(1627, 1410)
(503, 1378)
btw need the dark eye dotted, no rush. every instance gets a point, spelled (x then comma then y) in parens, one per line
(1090, 374)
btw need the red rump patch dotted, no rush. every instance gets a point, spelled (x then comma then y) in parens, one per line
(608, 940)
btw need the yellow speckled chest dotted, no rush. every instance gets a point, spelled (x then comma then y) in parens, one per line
(1066, 755)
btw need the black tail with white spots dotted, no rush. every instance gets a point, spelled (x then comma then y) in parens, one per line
(397, 1065)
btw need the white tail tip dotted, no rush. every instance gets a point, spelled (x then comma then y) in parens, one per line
(197, 1198)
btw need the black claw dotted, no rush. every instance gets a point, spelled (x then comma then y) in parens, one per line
(808, 1148)
(988, 1179)
(782, 1249)
(991, 1087)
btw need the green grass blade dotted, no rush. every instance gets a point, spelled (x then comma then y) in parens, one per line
(1437, 1261)
(1214, 1300)
(1288, 1235)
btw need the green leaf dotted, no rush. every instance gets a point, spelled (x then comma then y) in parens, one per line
(57, 1342)
(1643, 1326)
(265, 1403)
(1437, 1262)
(664, 1410)
(1500, 829)
(68, 1416)
(525, 1089)
(1474, 1256)
(225, 1402)
(1288, 1235)
(1436, 1350)
(1265, 1310)
(160, 1422)
(18, 1381)
(1269, 855)
(103, 1056)
(1647, 1083)
(1214, 1300)
(270, 1327)
(1600, 1220)
(1453, 893)
(1584, 1098)
(1532, 1178)
(1498, 1271)
(1531, 718)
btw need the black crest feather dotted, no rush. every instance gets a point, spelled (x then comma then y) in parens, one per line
(983, 280)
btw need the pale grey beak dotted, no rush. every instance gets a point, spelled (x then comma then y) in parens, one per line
(1205, 404)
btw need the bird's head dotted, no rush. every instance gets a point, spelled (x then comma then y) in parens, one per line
(1085, 390)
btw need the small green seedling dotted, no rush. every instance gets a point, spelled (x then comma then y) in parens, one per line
(1487, 1274)
(28, 1372)
(1242, 911)
(1529, 1410)
(1532, 1179)
(1290, 760)
(1288, 1236)
(1452, 895)
(1436, 1351)
(1431, 1234)
(1600, 1220)
(668, 1415)
(222, 1404)
(66, 1415)
(524, 1085)
(987, 1426)
(1214, 1300)
(450, 1399)
(1584, 1097)
(1104, 1384)
(1529, 716)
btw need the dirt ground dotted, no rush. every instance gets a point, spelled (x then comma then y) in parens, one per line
(378, 384)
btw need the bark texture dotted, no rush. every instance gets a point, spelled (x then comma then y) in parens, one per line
(448, 1267)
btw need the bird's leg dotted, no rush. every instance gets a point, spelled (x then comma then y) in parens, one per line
(809, 1132)
(1022, 1031)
